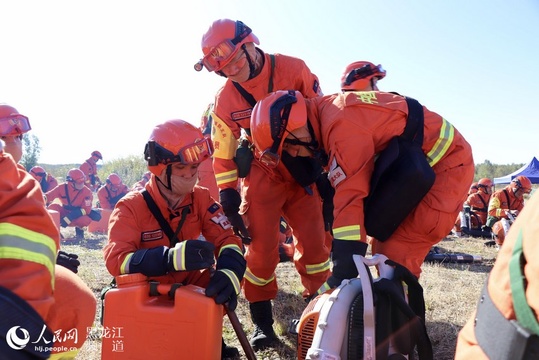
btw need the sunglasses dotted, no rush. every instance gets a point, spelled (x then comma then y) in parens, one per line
(14, 125)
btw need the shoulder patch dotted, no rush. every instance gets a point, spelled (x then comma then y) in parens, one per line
(151, 235)
(336, 173)
(242, 114)
(212, 209)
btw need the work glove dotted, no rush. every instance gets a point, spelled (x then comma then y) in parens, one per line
(191, 255)
(326, 193)
(225, 283)
(76, 213)
(69, 261)
(230, 200)
(343, 262)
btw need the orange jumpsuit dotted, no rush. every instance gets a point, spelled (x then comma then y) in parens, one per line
(89, 168)
(206, 175)
(500, 203)
(71, 197)
(108, 197)
(499, 287)
(133, 227)
(355, 126)
(268, 194)
(48, 182)
(59, 296)
(478, 202)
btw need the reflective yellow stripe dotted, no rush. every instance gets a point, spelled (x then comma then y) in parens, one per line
(325, 287)
(447, 133)
(317, 268)
(232, 247)
(124, 268)
(19, 243)
(256, 280)
(233, 278)
(226, 177)
(350, 232)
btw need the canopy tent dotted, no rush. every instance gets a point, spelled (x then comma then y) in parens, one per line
(530, 170)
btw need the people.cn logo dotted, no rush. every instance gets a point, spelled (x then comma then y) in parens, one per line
(14, 340)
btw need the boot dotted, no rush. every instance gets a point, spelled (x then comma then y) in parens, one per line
(229, 352)
(262, 317)
(79, 233)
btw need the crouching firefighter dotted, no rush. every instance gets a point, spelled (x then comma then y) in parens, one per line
(155, 231)
(505, 324)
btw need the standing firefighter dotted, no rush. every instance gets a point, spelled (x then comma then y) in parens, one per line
(354, 127)
(89, 168)
(155, 231)
(230, 50)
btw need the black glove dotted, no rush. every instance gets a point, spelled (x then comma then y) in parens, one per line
(75, 213)
(326, 193)
(230, 200)
(343, 263)
(191, 255)
(224, 285)
(95, 215)
(68, 261)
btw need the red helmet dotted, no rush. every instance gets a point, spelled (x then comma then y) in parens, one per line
(281, 111)
(485, 183)
(176, 141)
(114, 179)
(473, 188)
(12, 123)
(75, 176)
(222, 41)
(146, 176)
(521, 182)
(357, 76)
(97, 154)
(38, 171)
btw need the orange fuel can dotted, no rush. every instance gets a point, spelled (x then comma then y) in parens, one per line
(142, 321)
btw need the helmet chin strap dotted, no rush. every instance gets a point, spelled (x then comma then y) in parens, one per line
(169, 174)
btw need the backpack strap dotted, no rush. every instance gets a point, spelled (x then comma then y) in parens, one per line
(172, 236)
(415, 122)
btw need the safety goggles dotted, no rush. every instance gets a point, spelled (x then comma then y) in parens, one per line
(14, 125)
(193, 153)
(279, 114)
(221, 54)
(361, 73)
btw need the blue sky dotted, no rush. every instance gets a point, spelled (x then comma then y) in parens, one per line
(99, 75)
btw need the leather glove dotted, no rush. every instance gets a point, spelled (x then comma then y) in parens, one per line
(191, 255)
(343, 263)
(224, 286)
(230, 200)
(68, 261)
(326, 193)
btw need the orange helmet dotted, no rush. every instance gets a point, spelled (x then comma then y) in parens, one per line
(75, 176)
(485, 183)
(521, 182)
(281, 111)
(114, 180)
(222, 41)
(176, 141)
(97, 154)
(38, 171)
(473, 188)
(12, 123)
(206, 120)
(146, 176)
(357, 76)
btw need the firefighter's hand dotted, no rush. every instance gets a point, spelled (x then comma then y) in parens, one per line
(191, 255)
(230, 200)
(69, 261)
(225, 283)
(343, 262)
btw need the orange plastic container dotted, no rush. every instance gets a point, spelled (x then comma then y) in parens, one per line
(55, 217)
(101, 226)
(137, 325)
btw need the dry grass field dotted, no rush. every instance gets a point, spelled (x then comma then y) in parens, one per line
(451, 293)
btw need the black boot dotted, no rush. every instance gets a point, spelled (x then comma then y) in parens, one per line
(262, 317)
(79, 233)
(229, 352)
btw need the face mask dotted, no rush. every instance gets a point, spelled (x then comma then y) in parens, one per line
(78, 186)
(182, 185)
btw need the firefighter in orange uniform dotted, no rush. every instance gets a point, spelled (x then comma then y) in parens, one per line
(361, 76)
(32, 270)
(206, 175)
(353, 127)
(477, 205)
(138, 244)
(509, 200)
(89, 168)
(47, 181)
(75, 202)
(113, 190)
(512, 287)
(229, 49)
(139, 185)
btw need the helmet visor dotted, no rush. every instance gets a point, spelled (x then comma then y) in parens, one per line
(14, 125)
(193, 153)
(218, 57)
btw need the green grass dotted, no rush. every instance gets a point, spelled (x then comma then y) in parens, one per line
(451, 294)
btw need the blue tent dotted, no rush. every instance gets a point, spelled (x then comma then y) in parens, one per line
(530, 170)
